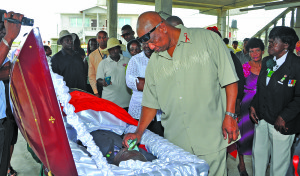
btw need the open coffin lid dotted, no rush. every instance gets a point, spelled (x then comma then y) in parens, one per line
(35, 92)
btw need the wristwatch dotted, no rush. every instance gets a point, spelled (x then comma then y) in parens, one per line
(234, 116)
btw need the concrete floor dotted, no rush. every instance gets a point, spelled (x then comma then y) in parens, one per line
(25, 165)
(22, 160)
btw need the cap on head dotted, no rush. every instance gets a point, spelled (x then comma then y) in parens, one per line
(63, 34)
(113, 42)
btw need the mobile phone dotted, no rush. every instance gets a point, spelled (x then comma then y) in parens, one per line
(107, 80)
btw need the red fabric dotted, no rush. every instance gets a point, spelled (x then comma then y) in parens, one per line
(84, 101)
(142, 146)
(232, 150)
(295, 164)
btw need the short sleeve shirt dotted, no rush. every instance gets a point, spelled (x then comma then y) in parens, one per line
(117, 92)
(2, 96)
(189, 89)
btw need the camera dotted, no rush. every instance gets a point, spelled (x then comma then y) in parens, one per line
(25, 21)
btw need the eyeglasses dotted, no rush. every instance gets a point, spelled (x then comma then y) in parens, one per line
(126, 34)
(146, 37)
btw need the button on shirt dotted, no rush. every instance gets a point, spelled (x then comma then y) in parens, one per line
(279, 62)
(2, 97)
(189, 89)
(137, 68)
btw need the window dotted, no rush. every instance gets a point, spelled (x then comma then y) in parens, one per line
(77, 22)
(123, 21)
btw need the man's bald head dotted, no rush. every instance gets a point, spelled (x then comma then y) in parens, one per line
(147, 21)
(174, 20)
(153, 29)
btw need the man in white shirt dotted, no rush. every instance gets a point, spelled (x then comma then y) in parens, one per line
(135, 80)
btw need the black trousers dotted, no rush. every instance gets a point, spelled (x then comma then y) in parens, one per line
(6, 133)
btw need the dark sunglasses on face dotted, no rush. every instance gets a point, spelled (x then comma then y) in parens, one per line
(146, 37)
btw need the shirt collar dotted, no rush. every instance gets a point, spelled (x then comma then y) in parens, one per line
(281, 60)
(110, 60)
(65, 53)
(184, 37)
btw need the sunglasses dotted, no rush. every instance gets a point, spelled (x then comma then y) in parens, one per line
(126, 34)
(146, 37)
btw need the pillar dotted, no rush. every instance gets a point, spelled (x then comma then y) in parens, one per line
(163, 6)
(112, 17)
(293, 18)
(98, 22)
(297, 25)
(283, 21)
(266, 37)
(54, 46)
(221, 22)
(83, 20)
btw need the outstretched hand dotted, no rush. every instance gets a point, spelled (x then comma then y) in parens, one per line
(231, 128)
(131, 136)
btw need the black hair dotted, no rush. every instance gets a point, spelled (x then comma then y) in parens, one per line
(88, 45)
(131, 42)
(46, 47)
(255, 43)
(104, 32)
(235, 42)
(246, 39)
(76, 42)
(226, 40)
(286, 35)
(175, 19)
(127, 27)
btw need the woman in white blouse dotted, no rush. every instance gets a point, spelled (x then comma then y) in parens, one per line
(135, 80)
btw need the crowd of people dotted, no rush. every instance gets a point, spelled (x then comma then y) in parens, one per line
(175, 85)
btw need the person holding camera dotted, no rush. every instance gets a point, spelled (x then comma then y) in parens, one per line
(8, 32)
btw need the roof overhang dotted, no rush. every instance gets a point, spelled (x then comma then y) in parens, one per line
(209, 7)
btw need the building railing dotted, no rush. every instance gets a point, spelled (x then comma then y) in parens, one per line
(264, 32)
(95, 28)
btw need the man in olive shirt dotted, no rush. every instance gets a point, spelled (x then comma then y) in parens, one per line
(193, 86)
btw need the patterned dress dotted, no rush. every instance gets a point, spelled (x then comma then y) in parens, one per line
(246, 126)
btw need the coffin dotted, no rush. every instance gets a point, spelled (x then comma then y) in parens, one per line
(51, 120)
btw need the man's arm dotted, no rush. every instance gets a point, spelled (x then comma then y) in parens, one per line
(230, 125)
(140, 84)
(147, 116)
(12, 31)
(92, 74)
